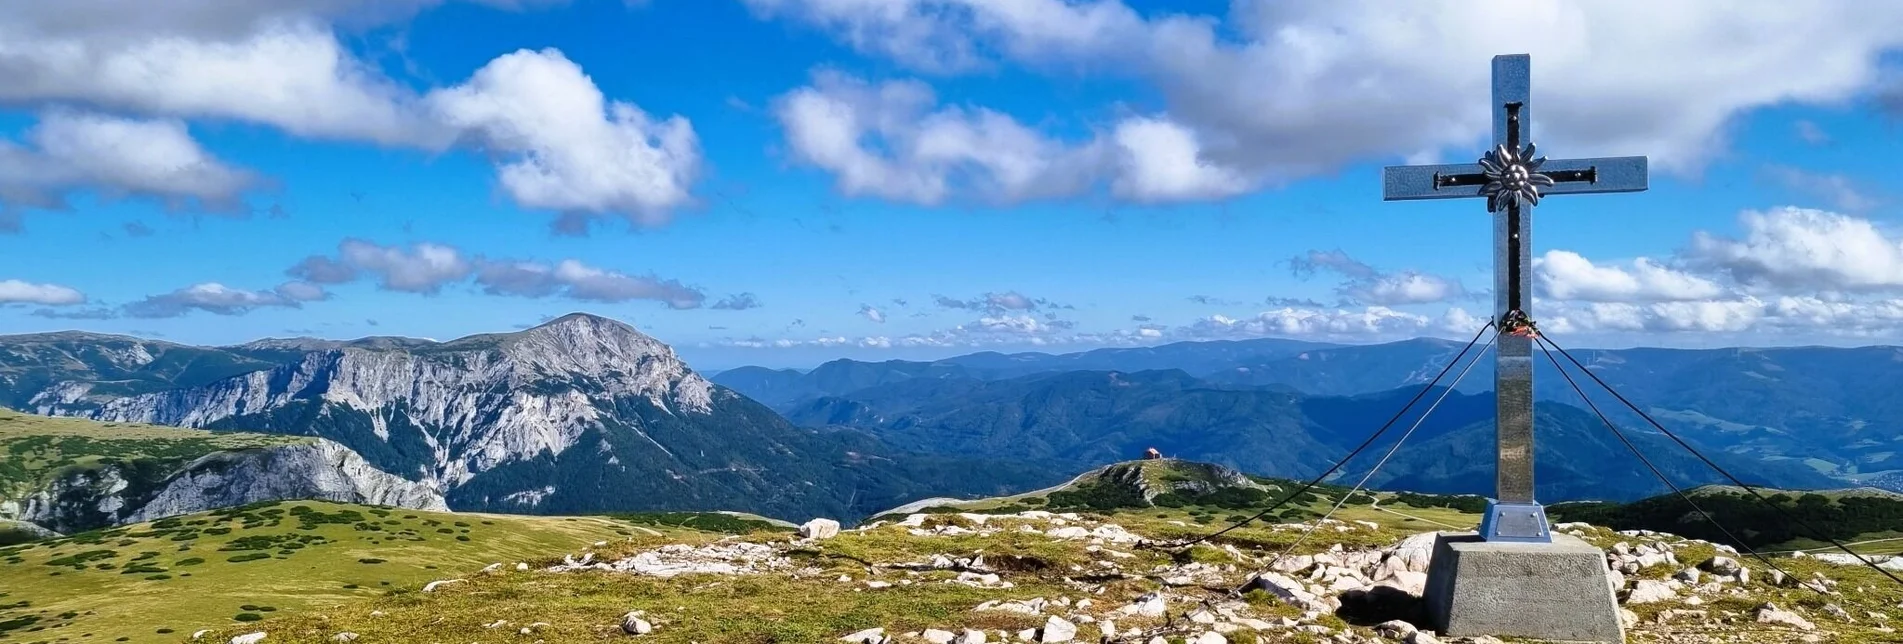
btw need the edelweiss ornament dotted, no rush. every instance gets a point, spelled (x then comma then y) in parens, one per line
(1511, 177)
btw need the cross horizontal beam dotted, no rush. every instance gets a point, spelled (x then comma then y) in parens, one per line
(1570, 176)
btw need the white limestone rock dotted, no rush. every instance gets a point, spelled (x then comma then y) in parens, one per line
(819, 529)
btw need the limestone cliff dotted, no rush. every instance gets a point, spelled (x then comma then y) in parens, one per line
(121, 493)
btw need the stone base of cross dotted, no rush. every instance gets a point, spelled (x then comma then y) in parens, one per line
(1515, 577)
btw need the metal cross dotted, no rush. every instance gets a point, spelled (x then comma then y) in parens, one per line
(1513, 181)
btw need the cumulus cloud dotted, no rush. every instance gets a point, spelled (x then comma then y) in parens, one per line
(427, 268)
(569, 148)
(218, 299)
(15, 291)
(1367, 285)
(422, 268)
(868, 312)
(69, 151)
(893, 140)
(575, 280)
(559, 144)
(1160, 160)
(1370, 321)
(1335, 82)
(1800, 249)
(1793, 271)
(1565, 275)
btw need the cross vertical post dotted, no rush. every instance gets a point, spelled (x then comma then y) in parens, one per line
(1513, 180)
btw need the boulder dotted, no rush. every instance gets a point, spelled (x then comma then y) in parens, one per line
(819, 529)
(1057, 629)
(1647, 591)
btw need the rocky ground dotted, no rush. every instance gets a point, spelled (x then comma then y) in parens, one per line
(1063, 577)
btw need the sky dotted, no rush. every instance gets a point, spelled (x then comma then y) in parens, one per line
(781, 182)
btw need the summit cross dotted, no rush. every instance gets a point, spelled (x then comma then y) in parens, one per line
(1513, 180)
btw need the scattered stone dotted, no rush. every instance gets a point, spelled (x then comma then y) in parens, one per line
(432, 586)
(521, 567)
(936, 636)
(492, 567)
(1057, 629)
(1647, 591)
(1210, 638)
(1724, 566)
(200, 634)
(1769, 613)
(1395, 629)
(736, 558)
(345, 636)
(1421, 637)
(248, 638)
(633, 624)
(868, 636)
(819, 529)
(972, 636)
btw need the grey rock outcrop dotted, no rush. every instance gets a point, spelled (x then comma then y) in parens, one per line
(321, 470)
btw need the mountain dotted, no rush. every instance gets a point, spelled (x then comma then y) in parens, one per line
(51, 365)
(1083, 418)
(70, 475)
(1128, 485)
(783, 388)
(579, 414)
(1079, 419)
(1823, 407)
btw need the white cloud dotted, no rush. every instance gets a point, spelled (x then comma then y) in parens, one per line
(1161, 160)
(1786, 316)
(69, 151)
(873, 314)
(575, 280)
(1285, 90)
(572, 150)
(1373, 321)
(1408, 287)
(21, 292)
(422, 268)
(1565, 275)
(1368, 285)
(1804, 250)
(892, 140)
(427, 268)
(218, 299)
(560, 145)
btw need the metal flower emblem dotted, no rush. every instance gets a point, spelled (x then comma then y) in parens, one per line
(1512, 177)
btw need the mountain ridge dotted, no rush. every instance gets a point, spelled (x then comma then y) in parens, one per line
(581, 413)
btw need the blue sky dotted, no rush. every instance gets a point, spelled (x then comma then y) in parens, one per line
(1048, 175)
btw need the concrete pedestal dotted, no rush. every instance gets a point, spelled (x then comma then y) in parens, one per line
(1551, 591)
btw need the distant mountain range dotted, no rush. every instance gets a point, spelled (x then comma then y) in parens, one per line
(579, 414)
(1830, 410)
(586, 414)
